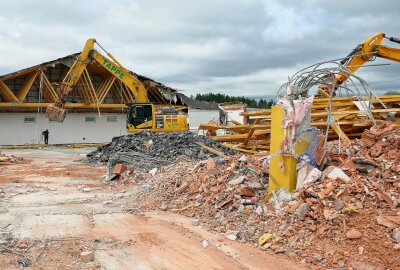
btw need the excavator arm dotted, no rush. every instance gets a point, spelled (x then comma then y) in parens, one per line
(388, 53)
(363, 53)
(88, 55)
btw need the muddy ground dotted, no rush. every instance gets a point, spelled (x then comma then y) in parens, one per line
(53, 207)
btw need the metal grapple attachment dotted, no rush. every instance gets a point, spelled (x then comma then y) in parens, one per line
(56, 112)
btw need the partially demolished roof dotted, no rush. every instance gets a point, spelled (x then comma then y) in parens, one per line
(196, 104)
(66, 60)
(97, 89)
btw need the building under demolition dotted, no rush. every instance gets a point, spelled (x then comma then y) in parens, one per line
(96, 106)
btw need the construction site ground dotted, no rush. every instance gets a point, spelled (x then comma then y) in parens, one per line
(54, 207)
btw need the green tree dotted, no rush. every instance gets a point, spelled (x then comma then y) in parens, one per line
(221, 98)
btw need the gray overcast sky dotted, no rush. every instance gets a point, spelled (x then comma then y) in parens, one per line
(238, 47)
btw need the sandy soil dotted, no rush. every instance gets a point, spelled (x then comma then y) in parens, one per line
(53, 207)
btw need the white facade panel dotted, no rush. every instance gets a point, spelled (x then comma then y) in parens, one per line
(26, 128)
(197, 117)
(234, 115)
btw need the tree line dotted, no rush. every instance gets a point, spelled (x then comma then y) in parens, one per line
(221, 98)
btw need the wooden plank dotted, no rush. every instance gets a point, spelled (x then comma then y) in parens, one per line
(251, 132)
(237, 148)
(236, 127)
(211, 150)
(240, 137)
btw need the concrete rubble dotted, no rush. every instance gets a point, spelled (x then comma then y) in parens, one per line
(146, 150)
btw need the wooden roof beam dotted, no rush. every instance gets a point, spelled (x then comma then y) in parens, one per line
(26, 86)
(6, 93)
(49, 88)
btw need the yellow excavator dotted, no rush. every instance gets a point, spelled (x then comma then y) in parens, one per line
(142, 115)
(364, 52)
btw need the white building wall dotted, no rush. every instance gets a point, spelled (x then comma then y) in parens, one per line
(14, 131)
(234, 115)
(74, 129)
(197, 117)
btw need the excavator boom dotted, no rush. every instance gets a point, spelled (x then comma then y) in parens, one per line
(56, 111)
(142, 115)
(363, 53)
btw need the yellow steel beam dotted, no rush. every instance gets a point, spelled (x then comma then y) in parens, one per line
(26, 86)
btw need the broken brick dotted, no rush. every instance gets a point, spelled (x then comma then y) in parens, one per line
(119, 168)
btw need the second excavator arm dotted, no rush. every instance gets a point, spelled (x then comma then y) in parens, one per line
(363, 53)
(57, 112)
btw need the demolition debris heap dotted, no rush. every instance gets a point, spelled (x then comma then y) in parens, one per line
(349, 215)
(147, 150)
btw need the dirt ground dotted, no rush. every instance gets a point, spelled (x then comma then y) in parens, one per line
(53, 207)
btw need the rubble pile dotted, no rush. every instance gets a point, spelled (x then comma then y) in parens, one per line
(352, 214)
(223, 194)
(147, 150)
(376, 153)
(342, 221)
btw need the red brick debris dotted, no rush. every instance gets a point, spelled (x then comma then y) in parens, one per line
(331, 224)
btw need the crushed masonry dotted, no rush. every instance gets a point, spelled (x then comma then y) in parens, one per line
(355, 202)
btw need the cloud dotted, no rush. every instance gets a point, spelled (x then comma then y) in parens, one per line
(243, 47)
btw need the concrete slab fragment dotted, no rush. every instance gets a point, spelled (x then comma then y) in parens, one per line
(53, 226)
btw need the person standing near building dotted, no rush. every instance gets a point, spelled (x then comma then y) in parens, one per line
(46, 136)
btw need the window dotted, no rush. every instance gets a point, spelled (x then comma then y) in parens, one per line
(29, 119)
(112, 119)
(90, 119)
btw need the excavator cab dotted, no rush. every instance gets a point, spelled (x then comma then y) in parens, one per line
(139, 115)
(154, 118)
